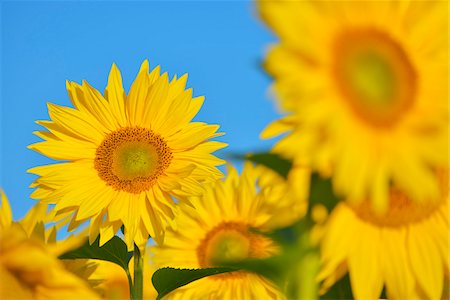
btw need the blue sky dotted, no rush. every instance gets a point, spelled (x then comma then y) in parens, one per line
(220, 45)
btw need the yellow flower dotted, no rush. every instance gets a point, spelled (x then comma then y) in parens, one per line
(406, 250)
(366, 86)
(125, 155)
(216, 227)
(30, 270)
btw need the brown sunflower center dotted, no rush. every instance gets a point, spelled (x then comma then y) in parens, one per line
(402, 210)
(375, 76)
(132, 158)
(232, 242)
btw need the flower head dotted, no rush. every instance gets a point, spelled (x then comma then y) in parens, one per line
(125, 156)
(221, 226)
(365, 84)
(29, 268)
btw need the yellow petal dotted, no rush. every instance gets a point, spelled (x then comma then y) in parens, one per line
(115, 95)
(157, 104)
(63, 150)
(108, 230)
(99, 107)
(137, 95)
(341, 228)
(276, 128)
(177, 86)
(192, 135)
(5, 212)
(364, 263)
(397, 271)
(426, 262)
(94, 227)
(76, 122)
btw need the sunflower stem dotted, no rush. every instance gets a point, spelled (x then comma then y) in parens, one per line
(130, 284)
(138, 284)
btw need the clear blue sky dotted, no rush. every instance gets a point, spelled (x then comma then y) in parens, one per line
(220, 45)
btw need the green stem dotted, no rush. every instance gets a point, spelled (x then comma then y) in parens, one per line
(138, 284)
(307, 272)
(130, 284)
(303, 283)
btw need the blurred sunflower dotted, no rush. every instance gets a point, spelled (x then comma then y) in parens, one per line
(406, 250)
(366, 86)
(125, 156)
(30, 269)
(217, 228)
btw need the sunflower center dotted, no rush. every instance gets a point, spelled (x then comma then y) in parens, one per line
(135, 159)
(402, 210)
(232, 242)
(132, 158)
(375, 76)
(228, 246)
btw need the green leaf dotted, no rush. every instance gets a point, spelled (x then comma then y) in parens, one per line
(321, 192)
(166, 280)
(272, 161)
(114, 251)
(340, 290)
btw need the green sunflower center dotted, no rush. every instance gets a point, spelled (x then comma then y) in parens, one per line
(232, 242)
(135, 159)
(371, 77)
(228, 246)
(374, 75)
(132, 158)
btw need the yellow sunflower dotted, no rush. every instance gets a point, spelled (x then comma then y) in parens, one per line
(125, 156)
(366, 86)
(30, 269)
(216, 227)
(406, 250)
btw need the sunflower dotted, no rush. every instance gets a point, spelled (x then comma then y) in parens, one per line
(29, 268)
(125, 156)
(406, 250)
(216, 228)
(365, 86)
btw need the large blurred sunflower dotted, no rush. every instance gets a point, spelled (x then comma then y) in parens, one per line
(366, 83)
(125, 156)
(216, 228)
(29, 268)
(406, 250)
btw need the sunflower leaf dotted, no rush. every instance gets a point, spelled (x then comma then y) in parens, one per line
(321, 192)
(115, 250)
(166, 280)
(340, 290)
